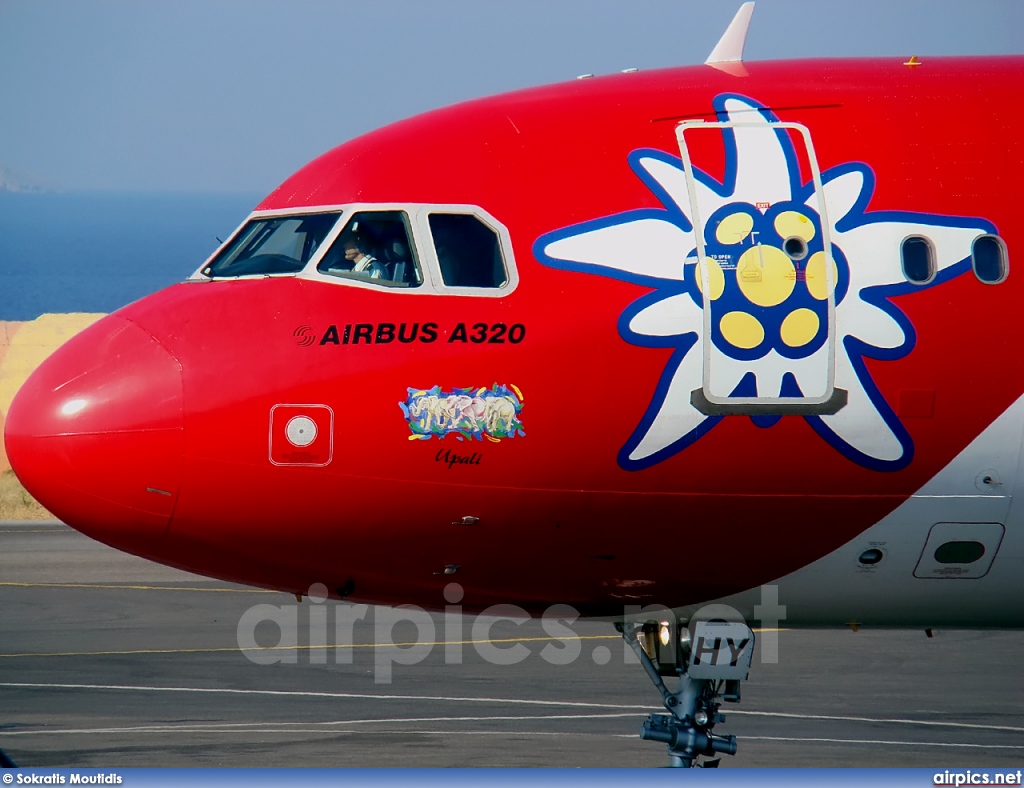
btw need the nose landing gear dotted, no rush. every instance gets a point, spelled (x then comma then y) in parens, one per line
(710, 665)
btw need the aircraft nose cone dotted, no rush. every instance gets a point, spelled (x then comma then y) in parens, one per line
(95, 434)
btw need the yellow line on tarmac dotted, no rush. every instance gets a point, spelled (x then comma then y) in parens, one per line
(141, 588)
(301, 648)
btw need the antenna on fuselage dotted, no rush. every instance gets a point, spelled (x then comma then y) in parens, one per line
(729, 48)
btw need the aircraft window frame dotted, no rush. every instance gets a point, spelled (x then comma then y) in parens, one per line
(334, 238)
(423, 249)
(933, 267)
(200, 275)
(1004, 259)
(474, 214)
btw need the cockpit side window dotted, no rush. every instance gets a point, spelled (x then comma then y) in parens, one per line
(374, 246)
(468, 251)
(272, 245)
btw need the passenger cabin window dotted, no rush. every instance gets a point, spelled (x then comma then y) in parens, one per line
(988, 258)
(468, 251)
(918, 258)
(374, 247)
(275, 245)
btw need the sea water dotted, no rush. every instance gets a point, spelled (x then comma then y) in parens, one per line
(96, 252)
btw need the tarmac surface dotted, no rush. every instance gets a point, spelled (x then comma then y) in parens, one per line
(107, 660)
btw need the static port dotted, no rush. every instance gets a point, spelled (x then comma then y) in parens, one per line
(871, 557)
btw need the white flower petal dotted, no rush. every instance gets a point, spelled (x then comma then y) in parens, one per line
(669, 317)
(873, 250)
(841, 195)
(644, 247)
(671, 178)
(769, 377)
(769, 371)
(868, 323)
(726, 372)
(709, 201)
(811, 373)
(762, 172)
(677, 417)
(952, 244)
(859, 423)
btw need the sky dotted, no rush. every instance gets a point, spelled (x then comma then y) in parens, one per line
(232, 96)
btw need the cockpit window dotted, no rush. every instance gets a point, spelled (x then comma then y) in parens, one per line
(374, 247)
(468, 251)
(275, 245)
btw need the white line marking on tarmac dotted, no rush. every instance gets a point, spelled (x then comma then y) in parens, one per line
(897, 721)
(885, 741)
(507, 701)
(399, 731)
(306, 693)
(258, 727)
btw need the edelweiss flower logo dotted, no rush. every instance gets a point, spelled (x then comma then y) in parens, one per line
(770, 319)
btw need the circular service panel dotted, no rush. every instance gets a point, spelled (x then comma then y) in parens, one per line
(300, 431)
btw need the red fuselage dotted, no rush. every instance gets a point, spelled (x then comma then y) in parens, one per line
(167, 448)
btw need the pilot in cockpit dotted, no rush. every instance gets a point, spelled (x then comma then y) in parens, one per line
(363, 263)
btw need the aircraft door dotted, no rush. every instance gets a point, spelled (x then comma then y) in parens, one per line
(764, 267)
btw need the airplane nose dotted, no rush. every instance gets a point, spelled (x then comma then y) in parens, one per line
(95, 434)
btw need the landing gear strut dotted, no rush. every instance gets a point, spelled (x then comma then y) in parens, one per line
(709, 666)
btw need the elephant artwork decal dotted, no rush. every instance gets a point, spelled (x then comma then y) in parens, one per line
(468, 413)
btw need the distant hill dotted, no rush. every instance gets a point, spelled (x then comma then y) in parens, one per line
(23, 182)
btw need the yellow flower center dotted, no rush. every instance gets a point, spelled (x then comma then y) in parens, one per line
(742, 329)
(817, 285)
(766, 276)
(716, 278)
(799, 327)
(789, 224)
